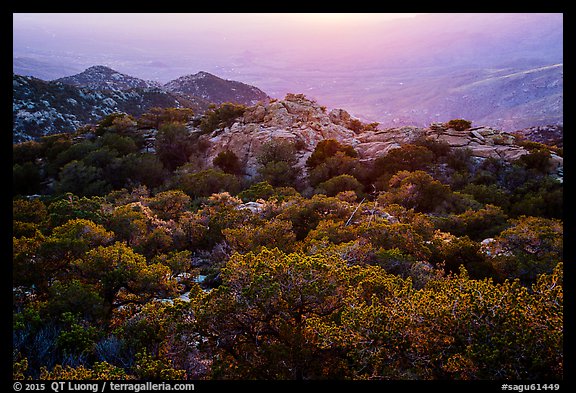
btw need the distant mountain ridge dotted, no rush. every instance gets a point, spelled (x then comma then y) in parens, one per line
(105, 78)
(203, 85)
(501, 69)
(48, 107)
(504, 99)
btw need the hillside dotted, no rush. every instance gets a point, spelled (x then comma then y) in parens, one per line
(503, 70)
(201, 230)
(506, 98)
(215, 89)
(42, 108)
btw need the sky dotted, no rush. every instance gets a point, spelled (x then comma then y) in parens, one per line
(198, 40)
(177, 30)
(162, 23)
(158, 45)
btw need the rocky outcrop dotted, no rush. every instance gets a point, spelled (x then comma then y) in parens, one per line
(483, 142)
(380, 142)
(295, 118)
(303, 121)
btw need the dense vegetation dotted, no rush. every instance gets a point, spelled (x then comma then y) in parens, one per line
(136, 262)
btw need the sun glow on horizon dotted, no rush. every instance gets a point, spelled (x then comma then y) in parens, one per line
(340, 16)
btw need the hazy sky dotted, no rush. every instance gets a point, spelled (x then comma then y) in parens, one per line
(163, 46)
(172, 22)
(199, 35)
(274, 51)
(207, 28)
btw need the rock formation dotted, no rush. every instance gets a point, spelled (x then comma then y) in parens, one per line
(295, 118)
(299, 119)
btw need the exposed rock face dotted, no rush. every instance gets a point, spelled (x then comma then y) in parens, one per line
(295, 118)
(377, 143)
(303, 121)
(484, 142)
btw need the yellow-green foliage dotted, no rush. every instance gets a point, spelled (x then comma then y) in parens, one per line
(274, 233)
(100, 371)
(359, 270)
(306, 307)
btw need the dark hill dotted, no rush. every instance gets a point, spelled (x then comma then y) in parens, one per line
(215, 89)
(41, 108)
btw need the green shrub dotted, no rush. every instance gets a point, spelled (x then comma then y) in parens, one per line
(221, 116)
(458, 124)
(228, 162)
(338, 184)
(328, 148)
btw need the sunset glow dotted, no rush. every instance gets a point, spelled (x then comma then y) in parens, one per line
(335, 19)
(294, 38)
(326, 55)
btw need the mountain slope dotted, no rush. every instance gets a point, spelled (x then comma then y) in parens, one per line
(41, 108)
(42, 69)
(215, 89)
(505, 98)
(415, 71)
